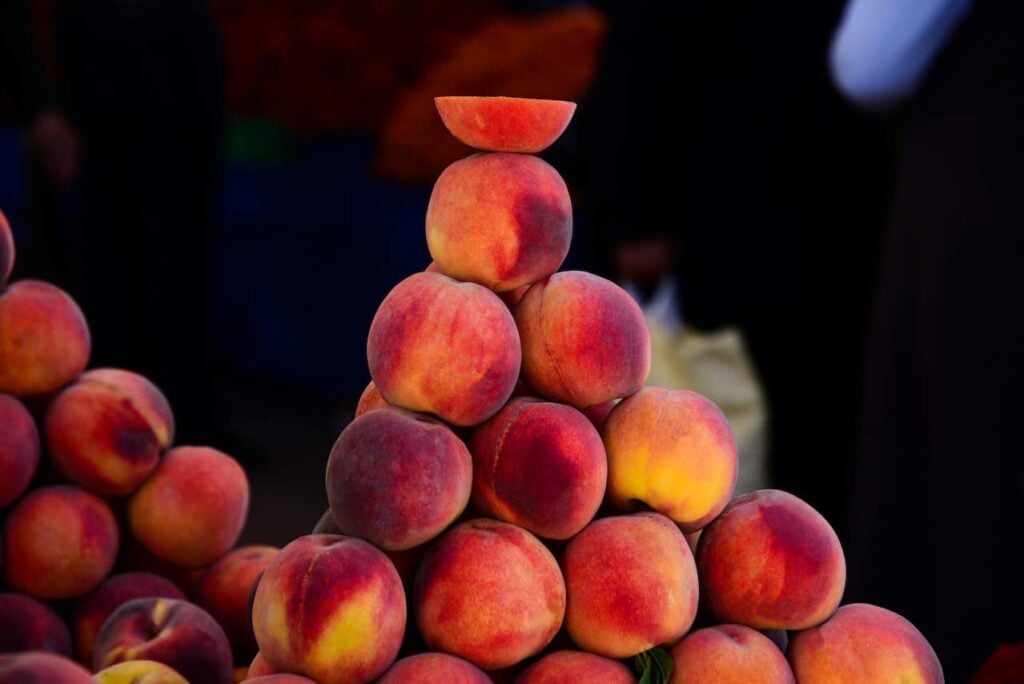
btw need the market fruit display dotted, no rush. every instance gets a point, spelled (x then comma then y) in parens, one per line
(510, 503)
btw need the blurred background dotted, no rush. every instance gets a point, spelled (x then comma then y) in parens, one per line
(818, 205)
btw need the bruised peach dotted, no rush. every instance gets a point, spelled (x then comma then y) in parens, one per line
(505, 124)
(107, 430)
(59, 542)
(331, 608)
(671, 451)
(426, 668)
(576, 667)
(397, 479)
(444, 347)
(35, 667)
(117, 590)
(864, 643)
(489, 592)
(19, 448)
(585, 341)
(370, 400)
(30, 625)
(139, 672)
(729, 654)
(176, 633)
(192, 508)
(770, 561)
(498, 219)
(6, 250)
(530, 437)
(44, 340)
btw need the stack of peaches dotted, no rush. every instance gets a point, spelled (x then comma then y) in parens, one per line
(512, 504)
(106, 529)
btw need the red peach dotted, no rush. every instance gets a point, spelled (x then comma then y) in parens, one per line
(598, 413)
(426, 668)
(864, 643)
(770, 561)
(44, 340)
(370, 400)
(94, 609)
(30, 625)
(444, 347)
(397, 479)
(576, 667)
(631, 585)
(225, 590)
(585, 341)
(505, 124)
(331, 608)
(281, 679)
(671, 451)
(176, 633)
(60, 542)
(192, 508)
(139, 672)
(326, 524)
(258, 667)
(107, 430)
(489, 592)
(540, 465)
(34, 667)
(502, 220)
(19, 448)
(730, 654)
(6, 250)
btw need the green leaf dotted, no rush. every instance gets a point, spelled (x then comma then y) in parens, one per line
(654, 666)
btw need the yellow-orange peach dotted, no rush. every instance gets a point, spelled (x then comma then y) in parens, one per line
(369, 400)
(192, 508)
(671, 451)
(427, 668)
(59, 542)
(139, 672)
(631, 585)
(505, 124)
(529, 438)
(576, 667)
(729, 654)
(331, 608)
(489, 592)
(106, 431)
(6, 250)
(444, 347)
(864, 643)
(44, 340)
(176, 633)
(585, 341)
(94, 609)
(30, 625)
(502, 220)
(770, 561)
(36, 666)
(225, 590)
(19, 449)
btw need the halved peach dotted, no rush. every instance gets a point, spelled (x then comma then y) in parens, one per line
(505, 124)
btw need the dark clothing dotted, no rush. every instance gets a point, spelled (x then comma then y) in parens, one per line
(940, 487)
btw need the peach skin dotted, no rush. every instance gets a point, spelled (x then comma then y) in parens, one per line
(576, 667)
(36, 667)
(19, 449)
(729, 654)
(6, 250)
(30, 625)
(426, 668)
(370, 400)
(139, 672)
(505, 124)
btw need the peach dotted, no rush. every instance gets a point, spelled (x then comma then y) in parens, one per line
(444, 347)
(397, 479)
(258, 667)
(671, 451)
(499, 219)
(283, 678)
(331, 608)
(489, 592)
(34, 667)
(576, 667)
(598, 413)
(176, 633)
(59, 542)
(631, 585)
(370, 400)
(225, 590)
(505, 124)
(192, 508)
(426, 668)
(770, 561)
(44, 339)
(540, 465)
(730, 654)
(585, 341)
(19, 449)
(94, 609)
(864, 643)
(106, 431)
(30, 625)
(6, 250)
(326, 524)
(139, 672)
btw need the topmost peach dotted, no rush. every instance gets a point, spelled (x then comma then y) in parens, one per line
(505, 124)
(6, 250)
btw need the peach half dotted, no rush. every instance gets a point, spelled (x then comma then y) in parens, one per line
(505, 124)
